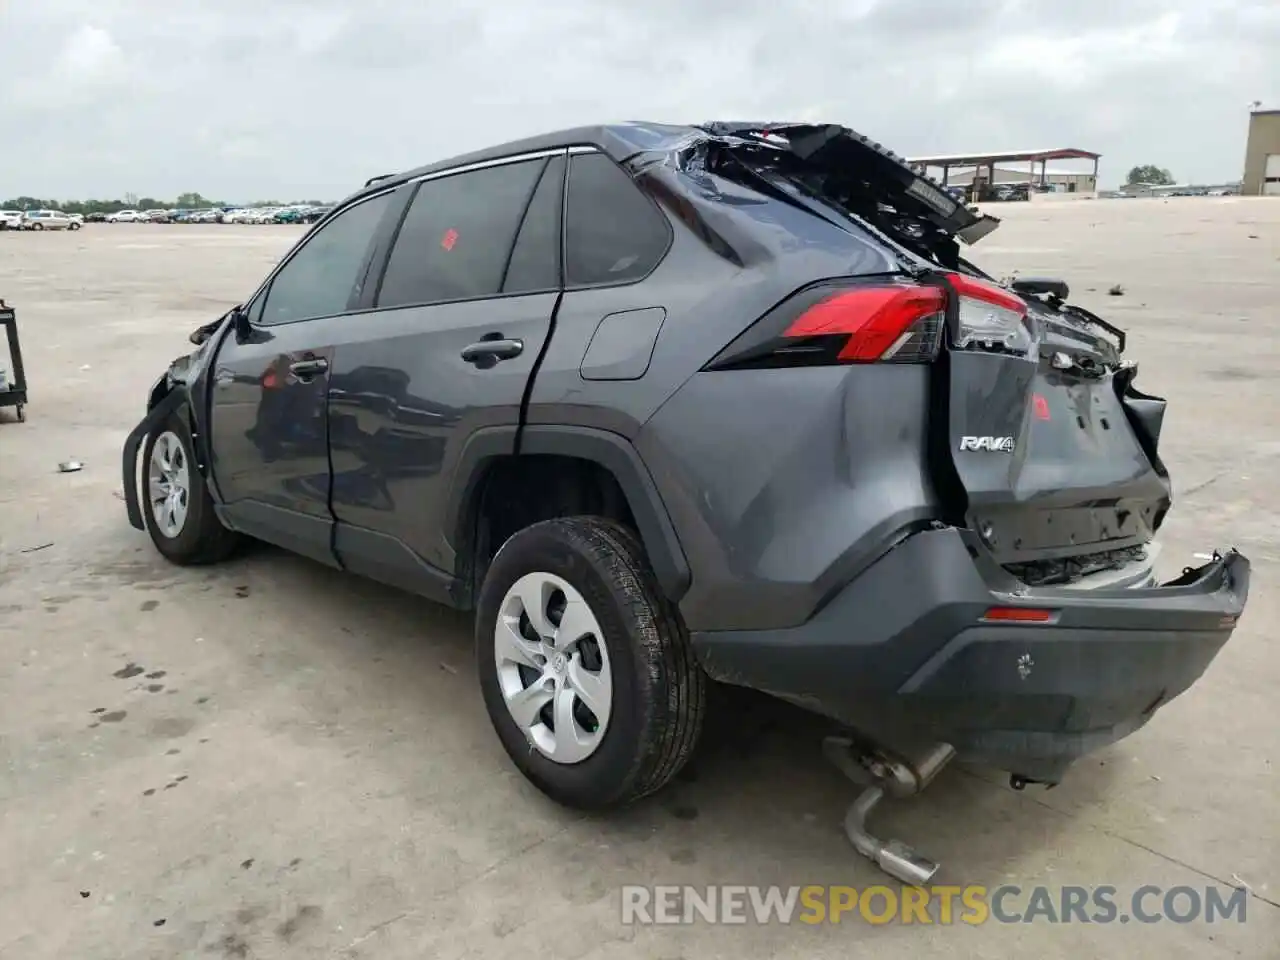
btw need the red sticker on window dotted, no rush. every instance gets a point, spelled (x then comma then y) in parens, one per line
(449, 239)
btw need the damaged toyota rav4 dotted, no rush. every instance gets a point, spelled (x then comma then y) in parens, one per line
(673, 405)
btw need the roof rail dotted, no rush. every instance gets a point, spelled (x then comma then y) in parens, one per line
(372, 180)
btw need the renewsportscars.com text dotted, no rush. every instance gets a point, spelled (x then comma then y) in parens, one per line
(973, 905)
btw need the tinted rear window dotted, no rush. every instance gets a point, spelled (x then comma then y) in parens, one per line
(613, 232)
(457, 235)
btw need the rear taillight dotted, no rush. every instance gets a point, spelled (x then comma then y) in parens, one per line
(828, 324)
(990, 317)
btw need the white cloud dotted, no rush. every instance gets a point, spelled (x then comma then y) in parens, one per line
(249, 98)
(90, 55)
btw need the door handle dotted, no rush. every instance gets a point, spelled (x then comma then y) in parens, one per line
(304, 369)
(488, 352)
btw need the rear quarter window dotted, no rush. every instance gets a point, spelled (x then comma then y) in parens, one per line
(613, 232)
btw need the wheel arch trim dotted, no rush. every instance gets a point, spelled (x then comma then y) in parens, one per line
(611, 451)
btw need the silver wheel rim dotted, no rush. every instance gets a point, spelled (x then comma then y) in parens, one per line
(553, 667)
(168, 483)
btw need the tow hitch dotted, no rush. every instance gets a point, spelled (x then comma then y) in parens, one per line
(883, 774)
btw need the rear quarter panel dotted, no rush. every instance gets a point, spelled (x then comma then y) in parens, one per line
(735, 253)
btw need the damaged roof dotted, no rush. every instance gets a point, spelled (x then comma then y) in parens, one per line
(829, 145)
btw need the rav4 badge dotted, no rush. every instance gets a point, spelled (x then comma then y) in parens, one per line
(992, 444)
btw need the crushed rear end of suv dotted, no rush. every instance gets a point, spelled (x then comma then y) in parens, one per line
(670, 404)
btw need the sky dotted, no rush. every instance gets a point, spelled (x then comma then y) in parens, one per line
(294, 99)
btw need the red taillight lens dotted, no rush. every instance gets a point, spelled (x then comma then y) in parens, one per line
(887, 322)
(875, 322)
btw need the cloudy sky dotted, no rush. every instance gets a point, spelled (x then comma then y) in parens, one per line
(244, 99)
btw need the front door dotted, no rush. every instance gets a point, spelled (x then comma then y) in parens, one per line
(269, 424)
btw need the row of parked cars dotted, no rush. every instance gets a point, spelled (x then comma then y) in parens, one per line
(40, 220)
(60, 220)
(289, 214)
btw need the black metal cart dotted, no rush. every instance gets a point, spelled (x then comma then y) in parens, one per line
(13, 378)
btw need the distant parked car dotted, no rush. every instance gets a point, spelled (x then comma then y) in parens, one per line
(95, 217)
(48, 220)
(126, 216)
(10, 219)
(157, 216)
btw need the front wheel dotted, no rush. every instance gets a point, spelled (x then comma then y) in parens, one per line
(37, 226)
(178, 510)
(586, 669)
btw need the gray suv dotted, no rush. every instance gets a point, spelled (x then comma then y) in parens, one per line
(667, 405)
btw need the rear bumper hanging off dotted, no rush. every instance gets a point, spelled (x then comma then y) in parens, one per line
(914, 649)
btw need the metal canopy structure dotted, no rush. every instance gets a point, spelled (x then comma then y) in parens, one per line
(1013, 156)
(988, 161)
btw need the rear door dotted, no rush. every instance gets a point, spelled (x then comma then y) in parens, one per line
(461, 313)
(269, 418)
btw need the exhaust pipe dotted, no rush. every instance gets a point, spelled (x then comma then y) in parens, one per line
(892, 856)
(890, 777)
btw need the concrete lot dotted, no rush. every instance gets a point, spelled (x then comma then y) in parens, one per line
(270, 759)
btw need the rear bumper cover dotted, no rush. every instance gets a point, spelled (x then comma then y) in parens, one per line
(903, 654)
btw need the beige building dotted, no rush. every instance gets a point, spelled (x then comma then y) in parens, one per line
(1262, 155)
(1067, 181)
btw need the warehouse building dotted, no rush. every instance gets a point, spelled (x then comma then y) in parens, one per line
(1262, 155)
(1031, 167)
(1066, 181)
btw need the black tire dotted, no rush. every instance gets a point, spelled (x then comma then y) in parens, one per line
(37, 226)
(659, 691)
(202, 539)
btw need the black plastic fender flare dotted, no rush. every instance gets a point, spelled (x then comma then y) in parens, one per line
(611, 451)
(158, 413)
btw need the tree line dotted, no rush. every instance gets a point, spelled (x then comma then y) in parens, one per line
(185, 201)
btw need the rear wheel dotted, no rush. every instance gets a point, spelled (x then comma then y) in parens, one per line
(586, 670)
(178, 510)
(37, 226)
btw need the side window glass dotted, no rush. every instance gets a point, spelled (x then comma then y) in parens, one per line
(457, 236)
(535, 260)
(321, 277)
(613, 232)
